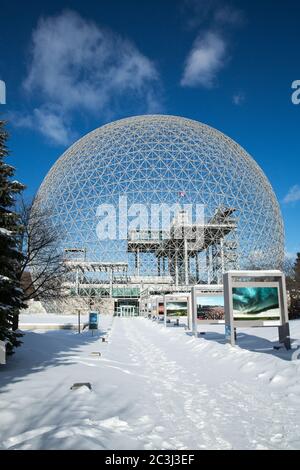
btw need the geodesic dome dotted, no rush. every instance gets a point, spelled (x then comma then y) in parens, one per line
(171, 160)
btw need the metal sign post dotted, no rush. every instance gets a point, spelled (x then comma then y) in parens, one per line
(194, 311)
(189, 313)
(165, 312)
(284, 329)
(229, 328)
(79, 321)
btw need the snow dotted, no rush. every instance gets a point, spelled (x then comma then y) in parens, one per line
(152, 388)
(4, 307)
(49, 318)
(5, 232)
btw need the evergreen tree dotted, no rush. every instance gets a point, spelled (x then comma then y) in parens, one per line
(10, 254)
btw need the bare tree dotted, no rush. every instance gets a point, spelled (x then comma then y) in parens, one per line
(288, 269)
(293, 285)
(42, 271)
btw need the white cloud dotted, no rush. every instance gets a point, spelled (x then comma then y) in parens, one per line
(53, 125)
(217, 12)
(293, 195)
(209, 53)
(228, 15)
(204, 61)
(238, 98)
(47, 120)
(197, 11)
(78, 66)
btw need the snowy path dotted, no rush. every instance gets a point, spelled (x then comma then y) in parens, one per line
(207, 402)
(152, 388)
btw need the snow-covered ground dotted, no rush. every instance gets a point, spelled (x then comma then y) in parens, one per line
(50, 318)
(50, 321)
(152, 388)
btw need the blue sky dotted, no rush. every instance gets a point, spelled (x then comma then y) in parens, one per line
(70, 67)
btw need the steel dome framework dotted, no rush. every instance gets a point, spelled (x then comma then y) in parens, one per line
(164, 160)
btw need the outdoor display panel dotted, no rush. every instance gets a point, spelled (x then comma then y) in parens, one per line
(160, 308)
(176, 308)
(93, 321)
(257, 302)
(210, 307)
(207, 306)
(256, 299)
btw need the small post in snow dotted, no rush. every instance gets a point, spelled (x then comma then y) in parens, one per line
(2, 352)
(194, 311)
(78, 321)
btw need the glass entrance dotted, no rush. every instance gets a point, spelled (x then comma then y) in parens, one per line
(127, 311)
(127, 307)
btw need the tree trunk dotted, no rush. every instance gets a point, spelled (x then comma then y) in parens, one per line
(15, 323)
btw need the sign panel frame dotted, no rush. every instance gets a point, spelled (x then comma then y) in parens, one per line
(237, 279)
(199, 291)
(177, 298)
(93, 320)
